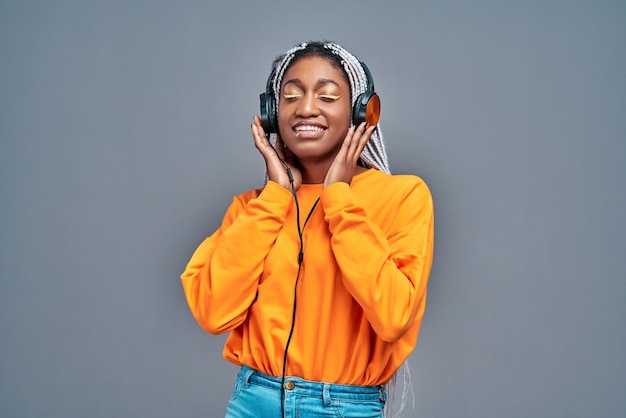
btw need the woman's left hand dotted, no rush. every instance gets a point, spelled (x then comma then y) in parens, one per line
(344, 166)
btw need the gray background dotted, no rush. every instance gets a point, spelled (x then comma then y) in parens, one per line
(125, 131)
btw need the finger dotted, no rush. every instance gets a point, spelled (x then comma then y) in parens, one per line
(352, 151)
(364, 136)
(257, 121)
(262, 144)
(367, 135)
(259, 139)
(255, 135)
(259, 126)
(361, 138)
(358, 132)
(347, 141)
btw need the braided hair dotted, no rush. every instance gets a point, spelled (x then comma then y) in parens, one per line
(374, 154)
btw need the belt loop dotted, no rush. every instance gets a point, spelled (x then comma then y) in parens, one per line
(382, 393)
(246, 373)
(326, 394)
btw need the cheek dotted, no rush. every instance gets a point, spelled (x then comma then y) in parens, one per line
(281, 114)
(343, 116)
(283, 123)
(284, 111)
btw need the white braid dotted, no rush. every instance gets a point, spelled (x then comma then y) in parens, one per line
(374, 156)
(396, 399)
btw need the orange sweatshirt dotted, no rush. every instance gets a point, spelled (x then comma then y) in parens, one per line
(361, 295)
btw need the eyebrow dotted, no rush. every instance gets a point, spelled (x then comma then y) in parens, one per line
(319, 82)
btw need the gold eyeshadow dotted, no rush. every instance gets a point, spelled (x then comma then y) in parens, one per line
(321, 96)
(329, 96)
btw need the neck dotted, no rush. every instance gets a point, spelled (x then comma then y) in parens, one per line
(314, 173)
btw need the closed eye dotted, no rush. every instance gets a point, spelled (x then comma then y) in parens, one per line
(291, 96)
(329, 97)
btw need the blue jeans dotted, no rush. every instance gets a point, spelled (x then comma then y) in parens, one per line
(257, 395)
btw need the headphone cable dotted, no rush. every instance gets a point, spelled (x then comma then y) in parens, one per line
(295, 291)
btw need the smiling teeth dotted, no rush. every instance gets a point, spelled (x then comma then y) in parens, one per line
(308, 128)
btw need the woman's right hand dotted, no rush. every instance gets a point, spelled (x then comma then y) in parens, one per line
(277, 160)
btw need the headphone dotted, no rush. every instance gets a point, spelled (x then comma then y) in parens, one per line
(366, 108)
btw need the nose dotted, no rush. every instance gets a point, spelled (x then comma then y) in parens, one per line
(307, 106)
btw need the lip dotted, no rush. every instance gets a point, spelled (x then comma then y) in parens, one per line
(308, 130)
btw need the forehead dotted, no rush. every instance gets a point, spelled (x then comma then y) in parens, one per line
(311, 69)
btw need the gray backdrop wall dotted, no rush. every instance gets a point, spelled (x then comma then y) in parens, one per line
(125, 131)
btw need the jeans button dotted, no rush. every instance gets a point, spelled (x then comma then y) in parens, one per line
(289, 385)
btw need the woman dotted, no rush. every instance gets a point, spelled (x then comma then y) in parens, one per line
(320, 276)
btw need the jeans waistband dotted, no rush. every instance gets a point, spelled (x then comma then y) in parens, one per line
(303, 387)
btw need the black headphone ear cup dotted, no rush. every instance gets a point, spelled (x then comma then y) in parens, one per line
(268, 113)
(269, 107)
(357, 111)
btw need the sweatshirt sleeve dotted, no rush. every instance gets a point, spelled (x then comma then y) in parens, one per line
(387, 274)
(221, 279)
